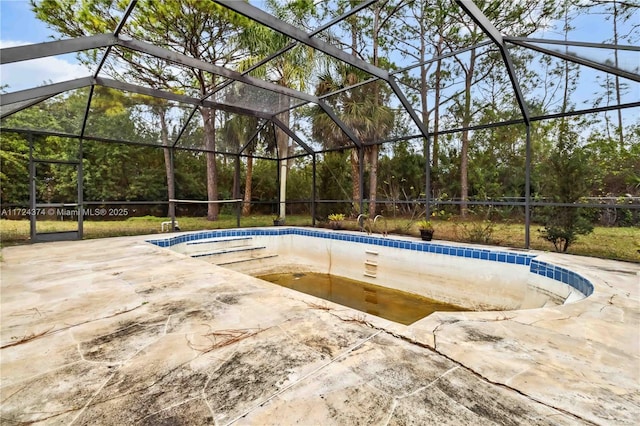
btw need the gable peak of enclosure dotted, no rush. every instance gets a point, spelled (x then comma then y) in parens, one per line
(283, 62)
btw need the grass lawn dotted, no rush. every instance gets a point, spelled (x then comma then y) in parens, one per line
(609, 243)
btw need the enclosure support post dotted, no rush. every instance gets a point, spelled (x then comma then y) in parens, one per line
(80, 166)
(32, 189)
(278, 192)
(361, 174)
(427, 184)
(172, 204)
(80, 189)
(282, 210)
(313, 191)
(527, 190)
(236, 191)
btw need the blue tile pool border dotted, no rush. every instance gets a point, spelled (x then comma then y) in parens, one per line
(538, 267)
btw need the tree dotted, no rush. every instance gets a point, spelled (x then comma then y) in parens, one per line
(14, 173)
(333, 176)
(291, 69)
(196, 28)
(567, 170)
(237, 131)
(327, 132)
(364, 108)
(515, 18)
(423, 27)
(619, 12)
(402, 176)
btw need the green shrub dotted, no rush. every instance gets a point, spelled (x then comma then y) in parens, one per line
(563, 225)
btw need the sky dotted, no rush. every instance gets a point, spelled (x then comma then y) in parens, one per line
(19, 26)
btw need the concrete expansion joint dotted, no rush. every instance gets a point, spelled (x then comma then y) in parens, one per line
(90, 400)
(166, 325)
(428, 385)
(204, 396)
(392, 409)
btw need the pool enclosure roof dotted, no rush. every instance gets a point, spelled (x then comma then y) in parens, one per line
(253, 93)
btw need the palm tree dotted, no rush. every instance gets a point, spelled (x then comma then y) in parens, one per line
(236, 132)
(362, 109)
(291, 69)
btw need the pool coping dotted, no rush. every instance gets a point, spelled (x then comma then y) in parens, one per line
(538, 267)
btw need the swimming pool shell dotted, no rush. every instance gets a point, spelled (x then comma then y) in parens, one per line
(475, 278)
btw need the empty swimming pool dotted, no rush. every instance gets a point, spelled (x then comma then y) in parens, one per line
(473, 278)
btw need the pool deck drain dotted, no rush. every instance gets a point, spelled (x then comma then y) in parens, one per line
(118, 331)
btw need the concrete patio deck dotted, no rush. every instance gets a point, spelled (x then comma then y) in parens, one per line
(118, 331)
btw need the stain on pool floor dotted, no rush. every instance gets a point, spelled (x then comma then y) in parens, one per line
(388, 303)
(118, 331)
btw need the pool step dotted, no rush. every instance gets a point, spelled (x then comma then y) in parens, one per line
(251, 265)
(218, 240)
(247, 259)
(229, 250)
(212, 245)
(242, 257)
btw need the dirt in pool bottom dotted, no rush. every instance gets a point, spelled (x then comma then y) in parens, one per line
(395, 305)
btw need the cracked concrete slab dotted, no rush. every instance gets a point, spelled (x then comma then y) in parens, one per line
(118, 331)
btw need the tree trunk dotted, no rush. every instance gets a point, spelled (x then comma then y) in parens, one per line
(436, 106)
(355, 181)
(171, 187)
(617, 78)
(355, 154)
(212, 169)
(246, 207)
(464, 150)
(423, 84)
(373, 149)
(373, 179)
